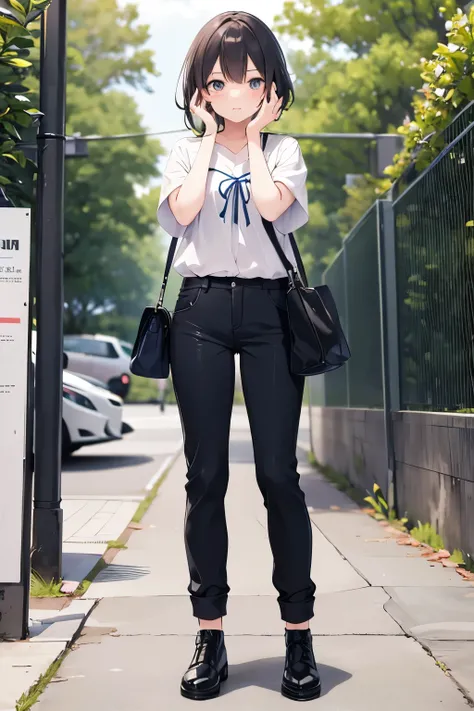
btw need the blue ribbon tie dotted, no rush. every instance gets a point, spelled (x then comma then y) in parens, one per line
(238, 188)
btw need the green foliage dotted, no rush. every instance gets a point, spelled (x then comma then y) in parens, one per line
(381, 509)
(40, 588)
(116, 545)
(359, 75)
(30, 698)
(457, 557)
(340, 481)
(17, 111)
(426, 533)
(448, 87)
(113, 253)
(146, 390)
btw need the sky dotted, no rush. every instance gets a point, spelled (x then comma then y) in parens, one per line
(173, 26)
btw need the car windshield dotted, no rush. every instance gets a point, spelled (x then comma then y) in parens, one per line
(127, 348)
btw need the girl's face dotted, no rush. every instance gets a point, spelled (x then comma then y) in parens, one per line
(232, 100)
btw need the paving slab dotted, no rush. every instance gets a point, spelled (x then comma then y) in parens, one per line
(155, 561)
(458, 657)
(248, 615)
(383, 563)
(59, 625)
(442, 613)
(21, 664)
(441, 619)
(358, 673)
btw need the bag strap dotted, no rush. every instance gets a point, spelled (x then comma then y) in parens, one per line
(169, 262)
(270, 230)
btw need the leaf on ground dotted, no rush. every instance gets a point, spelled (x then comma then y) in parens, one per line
(439, 556)
(376, 540)
(449, 563)
(466, 574)
(69, 586)
(136, 526)
(427, 552)
(444, 554)
(404, 541)
(395, 531)
(415, 543)
(384, 523)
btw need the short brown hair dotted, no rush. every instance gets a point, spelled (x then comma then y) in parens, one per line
(231, 37)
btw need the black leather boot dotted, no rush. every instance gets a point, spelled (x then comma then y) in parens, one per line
(301, 681)
(208, 667)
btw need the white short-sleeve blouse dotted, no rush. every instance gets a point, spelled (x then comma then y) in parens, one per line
(227, 237)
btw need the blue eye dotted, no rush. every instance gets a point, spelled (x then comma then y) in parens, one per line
(217, 85)
(256, 85)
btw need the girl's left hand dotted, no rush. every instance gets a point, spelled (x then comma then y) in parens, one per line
(270, 111)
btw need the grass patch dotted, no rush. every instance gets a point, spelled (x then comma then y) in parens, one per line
(86, 583)
(238, 397)
(143, 389)
(116, 544)
(148, 500)
(426, 533)
(27, 700)
(442, 666)
(340, 481)
(40, 588)
(457, 556)
(381, 510)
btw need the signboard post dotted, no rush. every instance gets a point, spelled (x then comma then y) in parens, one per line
(15, 421)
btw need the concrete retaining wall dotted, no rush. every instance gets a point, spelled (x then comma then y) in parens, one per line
(434, 462)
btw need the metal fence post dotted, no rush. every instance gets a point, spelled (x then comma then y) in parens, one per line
(347, 328)
(47, 517)
(389, 332)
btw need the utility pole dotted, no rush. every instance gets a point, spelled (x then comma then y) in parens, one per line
(48, 515)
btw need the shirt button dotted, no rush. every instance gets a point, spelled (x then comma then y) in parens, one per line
(233, 283)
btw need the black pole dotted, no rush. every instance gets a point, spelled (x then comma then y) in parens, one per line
(47, 517)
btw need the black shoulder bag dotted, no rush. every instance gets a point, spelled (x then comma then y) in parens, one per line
(150, 355)
(318, 344)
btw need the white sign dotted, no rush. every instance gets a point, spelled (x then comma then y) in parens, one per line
(14, 326)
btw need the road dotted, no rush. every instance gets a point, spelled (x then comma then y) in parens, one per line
(125, 467)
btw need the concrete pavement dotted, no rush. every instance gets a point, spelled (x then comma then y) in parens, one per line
(102, 487)
(375, 600)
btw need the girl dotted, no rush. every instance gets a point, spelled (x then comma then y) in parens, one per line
(216, 188)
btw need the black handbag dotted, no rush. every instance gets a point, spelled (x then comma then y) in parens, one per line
(318, 343)
(151, 351)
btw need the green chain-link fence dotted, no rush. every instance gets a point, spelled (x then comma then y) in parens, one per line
(434, 252)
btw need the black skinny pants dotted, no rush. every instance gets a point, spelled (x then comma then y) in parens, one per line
(214, 318)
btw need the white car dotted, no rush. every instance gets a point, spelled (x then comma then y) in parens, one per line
(91, 414)
(103, 358)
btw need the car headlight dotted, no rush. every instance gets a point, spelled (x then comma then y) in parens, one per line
(79, 399)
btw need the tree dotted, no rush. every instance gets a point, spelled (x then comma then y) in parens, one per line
(360, 76)
(112, 249)
(17, 112)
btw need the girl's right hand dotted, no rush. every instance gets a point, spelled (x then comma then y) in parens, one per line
(208, 120)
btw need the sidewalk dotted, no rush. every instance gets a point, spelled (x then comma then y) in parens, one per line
(90, 523)
(88, 526)
(374, 601)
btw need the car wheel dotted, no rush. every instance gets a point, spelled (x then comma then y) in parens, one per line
(66, 447)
